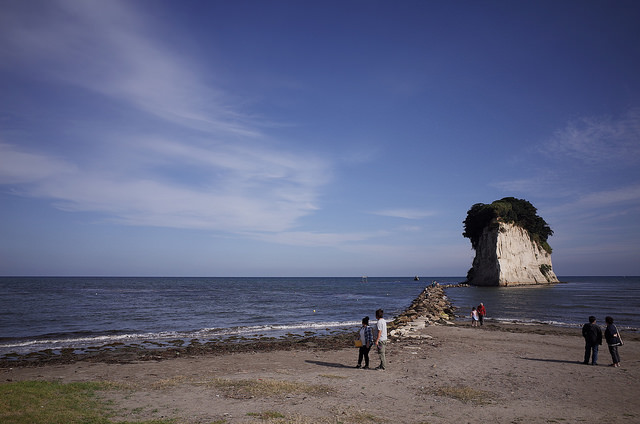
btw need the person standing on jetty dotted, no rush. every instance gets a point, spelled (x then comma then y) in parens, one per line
(482, 311)
(381, 339)
(366, 338)
(593, 338)
(613, 341)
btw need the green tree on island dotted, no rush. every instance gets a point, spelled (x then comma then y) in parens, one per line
(507, 210)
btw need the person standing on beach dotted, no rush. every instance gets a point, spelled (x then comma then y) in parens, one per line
(593, 338)
(366, 338)
(482, 311)
(474, 317)
(381, 339)
(613, 341)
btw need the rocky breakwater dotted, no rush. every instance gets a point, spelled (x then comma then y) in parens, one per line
(431, 307)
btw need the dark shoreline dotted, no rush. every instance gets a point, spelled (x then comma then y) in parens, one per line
(155, 351)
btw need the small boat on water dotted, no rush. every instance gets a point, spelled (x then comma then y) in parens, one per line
(416, 278)
(364, 279)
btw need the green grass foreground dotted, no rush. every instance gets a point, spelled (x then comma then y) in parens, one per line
(28, 402)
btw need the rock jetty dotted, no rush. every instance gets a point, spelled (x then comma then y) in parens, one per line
(431, 307)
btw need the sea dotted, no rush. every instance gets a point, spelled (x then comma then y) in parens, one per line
(55, 313)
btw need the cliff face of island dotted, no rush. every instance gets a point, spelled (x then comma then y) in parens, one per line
(507, 256)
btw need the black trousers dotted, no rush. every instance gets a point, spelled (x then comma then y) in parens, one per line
(363, 352)
(613, 350)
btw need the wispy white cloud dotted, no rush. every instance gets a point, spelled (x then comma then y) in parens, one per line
(215, 170)
(545, 183)
(314, 239)
(598, 212)
(594, 208)
(609, 198)
(20, 167)
(405, 213)
(108, 48)
(603, 148)
(230, 195)
(597, 140)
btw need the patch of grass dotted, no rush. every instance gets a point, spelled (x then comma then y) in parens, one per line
(465, 394)
(28, 402)
(46, 402)
(265, 388)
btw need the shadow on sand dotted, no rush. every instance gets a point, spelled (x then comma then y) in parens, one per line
(559, 361)
(328, 364)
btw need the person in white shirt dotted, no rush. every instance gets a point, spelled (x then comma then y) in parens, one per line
(381, 339)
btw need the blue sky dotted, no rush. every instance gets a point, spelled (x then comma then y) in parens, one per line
(333, 138)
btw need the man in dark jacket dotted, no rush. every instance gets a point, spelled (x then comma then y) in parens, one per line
(593, 338)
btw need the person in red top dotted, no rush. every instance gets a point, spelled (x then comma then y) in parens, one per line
(481, 313)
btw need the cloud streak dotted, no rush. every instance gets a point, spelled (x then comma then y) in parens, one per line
(599, 140)
(108, 48)
(405, 213)
(214, 169)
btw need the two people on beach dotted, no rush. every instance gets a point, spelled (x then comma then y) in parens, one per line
(593, 339)
(478, 314)
(367, 341)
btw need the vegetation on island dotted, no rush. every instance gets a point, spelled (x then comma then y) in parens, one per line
(545, 269)
(507, 210)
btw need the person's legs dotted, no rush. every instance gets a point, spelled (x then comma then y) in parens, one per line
(382, 352)
(615, 358)
(594, 356)
(587, 353)
(366, 356)
(360, 355)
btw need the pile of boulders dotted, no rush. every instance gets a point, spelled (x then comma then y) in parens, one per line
(431, 307)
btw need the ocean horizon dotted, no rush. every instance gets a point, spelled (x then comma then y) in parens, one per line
(41, 313)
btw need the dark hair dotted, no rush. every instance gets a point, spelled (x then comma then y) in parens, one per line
(592, 319)
(379, 313)
(365, 320)
(608, 320)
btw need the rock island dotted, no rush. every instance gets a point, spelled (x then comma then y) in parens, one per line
(510, 241)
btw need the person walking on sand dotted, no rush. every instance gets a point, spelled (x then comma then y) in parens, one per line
(613, 341)
(366, 338)
(474, 317)
(482, 311)
(381, 339)
(593, 338)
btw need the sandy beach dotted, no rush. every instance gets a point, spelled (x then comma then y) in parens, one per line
(499, 373)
